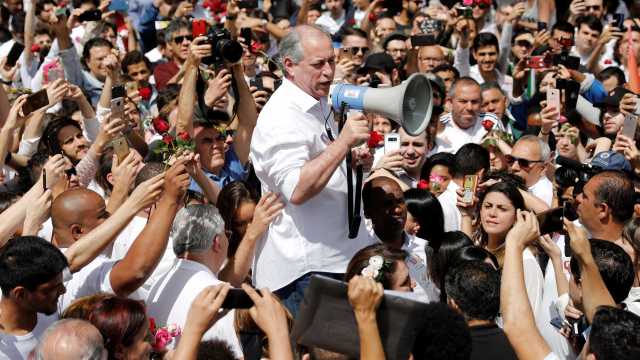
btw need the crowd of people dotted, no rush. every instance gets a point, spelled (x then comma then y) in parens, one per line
(173, 176)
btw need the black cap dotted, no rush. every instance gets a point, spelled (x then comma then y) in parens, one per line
(394, 36)
(378, 61)
(614, 98)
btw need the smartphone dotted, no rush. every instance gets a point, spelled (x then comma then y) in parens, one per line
(257, 82)
(629, 126)
(538, 62)
(542, 26)
(14, 54)
(618, 20)
(248, 4)
(198, 28)
(35, 101)
(120, 148)
(570, 62)
(121, 6)
(246, 34)
(470, 184)
(557, 323)
(345, 54)
(117, 91)
(551, 220)
(132, 87)
(237, 299)
(553, 98)
(90, 15)
(44, 179)
(117, 108)
(391, 142)
(422, 40)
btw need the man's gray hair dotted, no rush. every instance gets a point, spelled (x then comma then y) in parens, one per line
(291, 46)
(73, 339)
(545, 150)
(195, 227)
(174, 26)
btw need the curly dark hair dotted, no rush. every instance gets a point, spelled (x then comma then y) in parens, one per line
(475, 287)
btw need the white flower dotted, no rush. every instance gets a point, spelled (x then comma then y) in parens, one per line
(368, 272)
(376, 262)
(375, 274)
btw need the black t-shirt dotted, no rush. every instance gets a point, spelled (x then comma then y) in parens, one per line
(490, 342)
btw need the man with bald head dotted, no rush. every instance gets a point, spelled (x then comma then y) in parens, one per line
(71, 339)
(79, 217)
(384, 205)
(303, 162)
(463, 124)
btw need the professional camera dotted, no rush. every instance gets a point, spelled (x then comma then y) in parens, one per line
(223, 48)
(574, 173)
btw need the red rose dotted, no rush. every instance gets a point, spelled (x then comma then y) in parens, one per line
(374, 139)
(35, 48)
(145, 93)
(184, 136)
(372, 17)
(152, 325)
(160, 125)
(487, 124)
(167, 139)
(423, 185)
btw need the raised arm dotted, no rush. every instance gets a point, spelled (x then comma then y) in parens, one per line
(145, 252)
(187, 98)
(237, 267)
(247, 115)
(594, 291)
(519, 323)
(365, 295)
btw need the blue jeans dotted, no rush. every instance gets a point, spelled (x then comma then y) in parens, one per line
(292, 294)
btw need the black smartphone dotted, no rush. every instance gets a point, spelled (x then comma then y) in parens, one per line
(570, 62)
(618, 21)
(237, 299)
(542, 26)
(117, 91)
(90, 15)
(14, 54)
(551, 221)
(246, 34)
(422, 40)
(257, 82)
(44, 179)
(35, 101)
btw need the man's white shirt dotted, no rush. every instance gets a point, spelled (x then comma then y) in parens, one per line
(313, 236)
(448, 200)
(543, 190)
(172, 294)
(453, 138)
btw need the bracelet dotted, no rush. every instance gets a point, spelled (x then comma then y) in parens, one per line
(6, 82)
(545, 133)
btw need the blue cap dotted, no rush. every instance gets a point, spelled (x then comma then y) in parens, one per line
(612, 160)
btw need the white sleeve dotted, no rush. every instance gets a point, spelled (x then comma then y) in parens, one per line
(28, 147)
(461, 61)
(534, 282)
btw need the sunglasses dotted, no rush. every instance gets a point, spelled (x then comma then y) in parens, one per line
(524, 44)
(356, 49)
(180, 39)
(523, 163)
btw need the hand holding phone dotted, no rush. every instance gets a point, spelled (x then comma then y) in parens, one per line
(629, 126)
(14, 54)
(391, 142)
(237, 299)
(469, 188)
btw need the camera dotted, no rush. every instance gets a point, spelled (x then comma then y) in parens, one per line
(574, 173)
(223, 47)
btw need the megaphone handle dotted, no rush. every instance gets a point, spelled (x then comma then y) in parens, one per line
(350, 195)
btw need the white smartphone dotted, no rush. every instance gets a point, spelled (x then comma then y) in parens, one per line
(629, 126)
(391, 142)
(553, 98)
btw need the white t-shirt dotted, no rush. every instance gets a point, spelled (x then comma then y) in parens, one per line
(448, 200)
(91, 279)
(453, 138)
(533, 280)
(543, 190)
(14, 347)
(633, 300)
(172, 294)
(417, 262)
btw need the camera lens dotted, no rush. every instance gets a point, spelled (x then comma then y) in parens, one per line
(230, 50)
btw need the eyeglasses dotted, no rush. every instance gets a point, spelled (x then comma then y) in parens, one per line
(356, 49)
(523, 163)
(524, 44)
(181, 38)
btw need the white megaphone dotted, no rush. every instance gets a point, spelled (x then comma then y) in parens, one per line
(409, 104)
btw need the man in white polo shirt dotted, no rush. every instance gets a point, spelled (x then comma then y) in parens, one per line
(294, 154)
(200, 245)
(529, 159)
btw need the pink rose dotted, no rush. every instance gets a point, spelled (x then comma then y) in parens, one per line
(162, 338)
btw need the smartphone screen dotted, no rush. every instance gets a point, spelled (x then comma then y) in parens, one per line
(551, 221)
(14, 54)
(237, 299)
(391, 142)
(469, 186)
(422, 40)
(629, 126)
(35, 101)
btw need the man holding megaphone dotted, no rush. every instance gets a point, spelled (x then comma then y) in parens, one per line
(296, 151)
